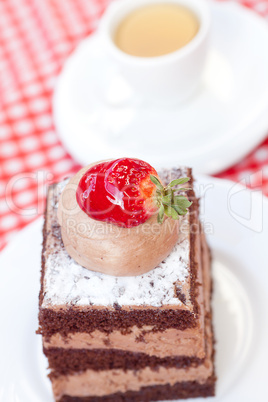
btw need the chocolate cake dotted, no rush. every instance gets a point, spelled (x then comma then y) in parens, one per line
(143, 338)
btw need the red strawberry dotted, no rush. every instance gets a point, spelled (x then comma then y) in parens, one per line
(126, 192)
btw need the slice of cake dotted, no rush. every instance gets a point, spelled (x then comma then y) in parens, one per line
(128, 338)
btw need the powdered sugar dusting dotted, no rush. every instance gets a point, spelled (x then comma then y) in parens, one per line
(68, 283)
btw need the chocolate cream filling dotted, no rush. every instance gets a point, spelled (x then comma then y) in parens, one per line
(92, 383)
(171, 342)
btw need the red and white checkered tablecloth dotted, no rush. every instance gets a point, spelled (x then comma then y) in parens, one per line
(36, 37)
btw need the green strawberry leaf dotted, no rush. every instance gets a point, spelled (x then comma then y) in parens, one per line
(155, 180)
(166, 199)
(161, 214)
(177, 182)
(183, 189)
(167, 210)
(170, 204)
(182, 202)
(178, 209)
(174, 214)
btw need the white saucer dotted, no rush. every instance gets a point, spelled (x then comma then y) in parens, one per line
(98, 116)
(239, 302)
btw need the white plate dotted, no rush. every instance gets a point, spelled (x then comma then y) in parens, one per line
(240, 300)
(99, 117)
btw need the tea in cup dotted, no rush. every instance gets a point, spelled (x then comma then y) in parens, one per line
(159, 47)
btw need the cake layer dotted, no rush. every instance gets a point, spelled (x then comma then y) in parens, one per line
(65, 319)
(171, 342)
(180, 390)
(66, 361)
(106, 382)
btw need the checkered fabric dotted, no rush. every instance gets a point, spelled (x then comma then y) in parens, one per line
(36, 37)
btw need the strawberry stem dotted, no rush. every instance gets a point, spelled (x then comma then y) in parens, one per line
(169, 203)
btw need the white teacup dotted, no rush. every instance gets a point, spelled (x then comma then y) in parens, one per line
(168, 78)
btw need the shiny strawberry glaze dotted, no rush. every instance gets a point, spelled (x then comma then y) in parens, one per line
(118, 192)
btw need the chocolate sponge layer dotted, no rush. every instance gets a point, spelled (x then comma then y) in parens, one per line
(69, 361)
(107, 320)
